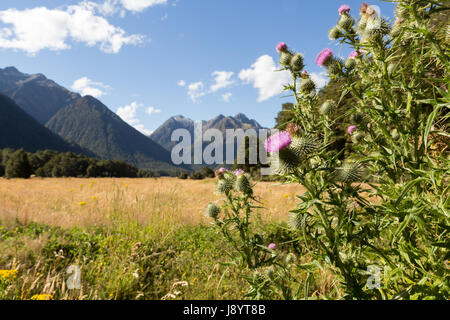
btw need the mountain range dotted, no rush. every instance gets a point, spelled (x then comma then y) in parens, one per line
(163, 134)
(19, 130)
(36, 113)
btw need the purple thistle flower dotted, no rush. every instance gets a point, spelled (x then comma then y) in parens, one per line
(351, 129)
(239, 172)
(282, 46)
(344, 9)
(356, 54)
(278, 142)
(272, 246)
(324, 56)
(222, 170)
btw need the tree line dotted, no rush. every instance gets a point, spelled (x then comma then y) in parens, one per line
(49, 163)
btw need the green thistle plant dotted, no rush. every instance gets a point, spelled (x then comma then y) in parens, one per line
(398, 219)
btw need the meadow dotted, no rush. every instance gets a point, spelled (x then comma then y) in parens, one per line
(130, 238)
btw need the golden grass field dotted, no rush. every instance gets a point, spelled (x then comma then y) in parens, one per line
(69, 202)
(140, 219)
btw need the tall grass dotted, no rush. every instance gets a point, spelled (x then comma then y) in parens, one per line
(131, 239)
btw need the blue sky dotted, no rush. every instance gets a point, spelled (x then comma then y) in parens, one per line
(149, 60)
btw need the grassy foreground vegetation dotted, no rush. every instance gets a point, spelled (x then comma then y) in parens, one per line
(131, 238)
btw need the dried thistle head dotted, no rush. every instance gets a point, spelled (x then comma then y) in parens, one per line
(363, 7)
(293, 129)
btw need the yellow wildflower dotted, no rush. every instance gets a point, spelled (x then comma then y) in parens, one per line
(8, 274)
(42, 296)
(82, 203)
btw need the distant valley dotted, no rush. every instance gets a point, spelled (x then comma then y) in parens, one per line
(36, 113)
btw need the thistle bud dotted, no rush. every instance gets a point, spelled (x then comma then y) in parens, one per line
(285, 58)
(220, 172)
(225, 185)
(270, 272)
(290, 258)
(243, 184)
(357, 137)
(286, 162)
(362, 24)
(327, 106)
(335, 222)
(350, 63)
(395, 135)
(212, 211)
(334, 66)
(346, 22)
(307, 85)
(391, 68)
(350, 172)
(297, 62)
(303, 146)
(334, 33)
(282, 47)
(304, 74)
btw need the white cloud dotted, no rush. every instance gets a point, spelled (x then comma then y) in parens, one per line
(128, 114)
(86, 86)
(140, 5)
(227, 96)
(222, 80)
(33, 30)
(196, 90)
(108, 7)
(320, 79)
(165, 17)
(264, 77)
(152, 110)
